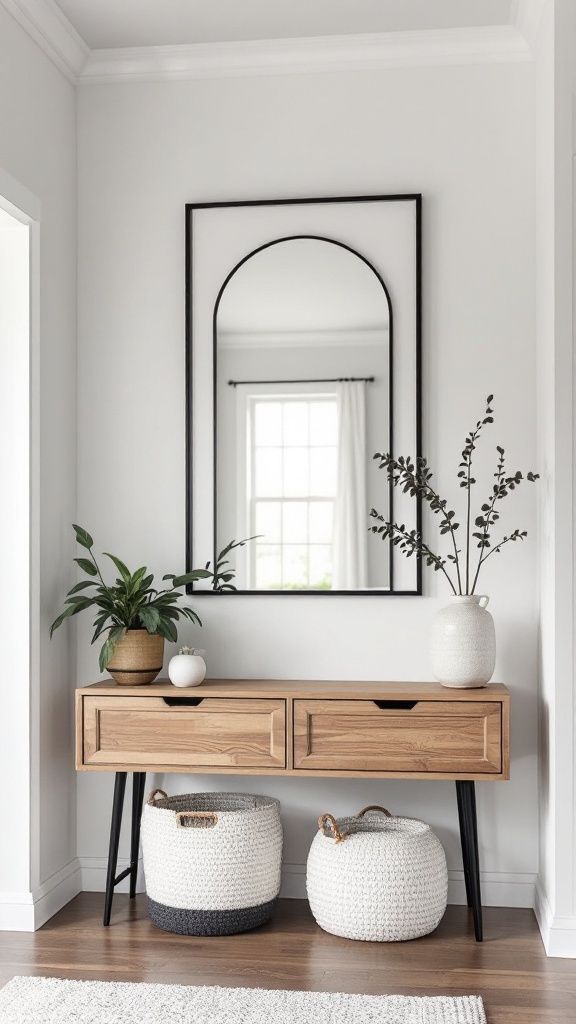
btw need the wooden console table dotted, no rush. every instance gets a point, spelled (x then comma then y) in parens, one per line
(287, 728)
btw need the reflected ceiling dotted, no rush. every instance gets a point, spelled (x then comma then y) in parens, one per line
(110, 23)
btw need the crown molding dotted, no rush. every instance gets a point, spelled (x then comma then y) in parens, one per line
(527, 16)
(55, 35)
(500, 44)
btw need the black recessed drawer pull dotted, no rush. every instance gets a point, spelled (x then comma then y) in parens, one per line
(182, 702)
(396, 705)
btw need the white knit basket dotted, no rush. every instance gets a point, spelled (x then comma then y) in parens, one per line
(211, 860)
(378, 878)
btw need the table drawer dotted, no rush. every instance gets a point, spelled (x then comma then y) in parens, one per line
(217, 733)
(399, 736)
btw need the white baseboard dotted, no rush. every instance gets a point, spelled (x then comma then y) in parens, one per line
(293, 882)
(16, 912)
(93, 875)
(28, 911)
(558, 933)
(499, 889)
(56, 892)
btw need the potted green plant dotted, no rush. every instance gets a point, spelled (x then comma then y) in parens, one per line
(463, 648)
(134, 616)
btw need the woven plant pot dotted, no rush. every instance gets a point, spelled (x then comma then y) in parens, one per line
(376, 877)
(211, 861)
(137, 658)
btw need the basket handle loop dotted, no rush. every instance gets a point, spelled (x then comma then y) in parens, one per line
(331, 820)
(196, 819)
(374, 807)
(154, 794)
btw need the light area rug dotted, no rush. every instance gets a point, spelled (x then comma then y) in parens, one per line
(52, 1001)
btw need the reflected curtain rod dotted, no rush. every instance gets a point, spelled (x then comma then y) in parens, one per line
(324, 380)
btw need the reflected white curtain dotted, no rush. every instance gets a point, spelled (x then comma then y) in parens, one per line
(350, 548)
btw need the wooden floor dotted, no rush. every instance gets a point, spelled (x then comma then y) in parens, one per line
(518, 983)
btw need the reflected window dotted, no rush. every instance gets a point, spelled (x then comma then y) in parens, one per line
(291, 481)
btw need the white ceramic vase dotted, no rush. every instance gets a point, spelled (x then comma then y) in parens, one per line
(187, 668)
(463, 643)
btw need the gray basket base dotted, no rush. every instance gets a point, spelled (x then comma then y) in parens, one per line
(209, 922)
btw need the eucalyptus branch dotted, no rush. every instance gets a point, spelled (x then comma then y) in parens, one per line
(467, 479)
(516, 535)
(504, 484)
(410, 542)
(415, 480)
(414, 476)
(490, 517)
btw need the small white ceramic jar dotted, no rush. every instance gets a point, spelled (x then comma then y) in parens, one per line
(187, 668)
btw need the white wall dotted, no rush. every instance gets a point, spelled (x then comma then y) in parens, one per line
(462, 136)
(38, 157)
(556, 138)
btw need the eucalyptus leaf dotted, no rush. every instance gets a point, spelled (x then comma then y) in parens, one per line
(413, 477)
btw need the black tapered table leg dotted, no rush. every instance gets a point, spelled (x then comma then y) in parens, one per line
(117, 807)
(138, 785)
(469, 837)
(461, 821)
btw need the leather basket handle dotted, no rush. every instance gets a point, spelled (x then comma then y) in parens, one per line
(196, 819)
(154, 794)
(373, 807)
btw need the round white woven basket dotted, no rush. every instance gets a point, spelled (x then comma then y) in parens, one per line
(211, 860)
(376, 877)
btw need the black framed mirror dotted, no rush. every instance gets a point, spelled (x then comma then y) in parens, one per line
(303, 337)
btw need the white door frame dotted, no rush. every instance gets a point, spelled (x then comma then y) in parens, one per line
(17, 907)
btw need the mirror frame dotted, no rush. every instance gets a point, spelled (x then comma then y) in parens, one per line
(412, 198)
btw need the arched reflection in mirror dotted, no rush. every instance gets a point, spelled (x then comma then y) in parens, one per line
(303, 402)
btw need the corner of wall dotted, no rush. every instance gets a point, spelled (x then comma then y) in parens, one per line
(558, 933)
(28, 911)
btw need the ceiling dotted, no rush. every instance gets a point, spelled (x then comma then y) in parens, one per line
(104, 24)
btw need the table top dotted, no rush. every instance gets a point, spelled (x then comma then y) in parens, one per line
(303, 689)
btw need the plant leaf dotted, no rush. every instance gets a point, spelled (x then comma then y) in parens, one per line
(167, 629)
(189, 577)
(108, 646)
(191, 614)
(82, 536)
(122, 569)
(149, 617)
(88, 567)
(100, 625)
(80, 586)
(70, 610)
(106, 652)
